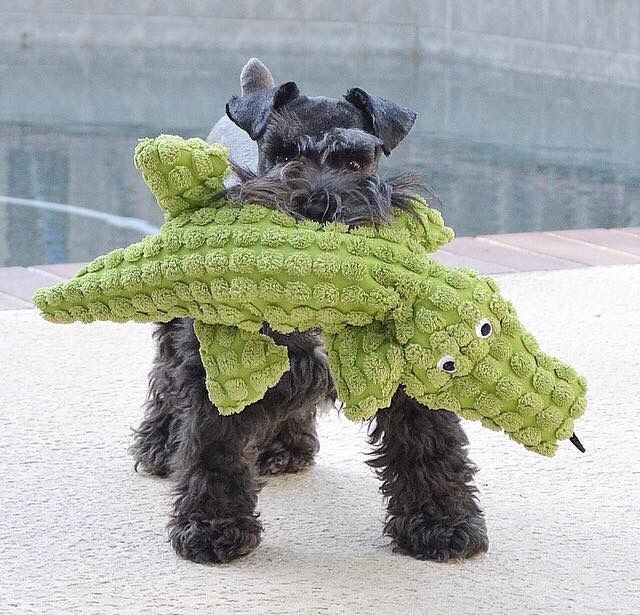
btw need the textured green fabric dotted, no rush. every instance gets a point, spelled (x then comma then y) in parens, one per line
(240, 365)
(389, 315)
(181, 173)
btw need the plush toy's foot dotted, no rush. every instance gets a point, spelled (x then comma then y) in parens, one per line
(415, 535)
(215, 541)
(277, 460)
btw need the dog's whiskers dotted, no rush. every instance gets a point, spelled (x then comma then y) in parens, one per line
(341, 196)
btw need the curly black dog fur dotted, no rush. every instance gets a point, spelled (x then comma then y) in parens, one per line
(307, 168)
(216, 460)
(426, 477)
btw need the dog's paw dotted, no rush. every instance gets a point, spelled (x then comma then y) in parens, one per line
(151, 449)
(214, 541)
(280, 461)
(417, 535)
(150, 460)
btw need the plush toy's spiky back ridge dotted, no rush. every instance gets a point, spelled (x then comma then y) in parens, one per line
(252, 253)
(181, 173)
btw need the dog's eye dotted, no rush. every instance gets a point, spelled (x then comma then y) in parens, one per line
(354, 165)
(285, 153)
(484, 328)
(447, 364)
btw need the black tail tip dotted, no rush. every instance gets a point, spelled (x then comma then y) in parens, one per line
(576, 442)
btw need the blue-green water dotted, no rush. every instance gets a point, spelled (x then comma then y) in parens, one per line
(506, 152)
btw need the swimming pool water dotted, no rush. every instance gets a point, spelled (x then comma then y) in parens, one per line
(506, 152)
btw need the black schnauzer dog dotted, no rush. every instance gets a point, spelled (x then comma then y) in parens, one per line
(315, 158)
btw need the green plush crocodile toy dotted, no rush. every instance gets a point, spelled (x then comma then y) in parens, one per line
(389, 315)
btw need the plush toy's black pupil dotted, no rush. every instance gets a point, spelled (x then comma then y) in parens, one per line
(449, 366)
(485, 329)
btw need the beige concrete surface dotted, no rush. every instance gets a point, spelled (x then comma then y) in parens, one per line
(82, 533)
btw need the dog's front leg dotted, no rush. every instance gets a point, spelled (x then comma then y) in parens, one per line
(214, 517)
(426, 477)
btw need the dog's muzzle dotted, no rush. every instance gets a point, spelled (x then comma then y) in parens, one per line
(306, 189)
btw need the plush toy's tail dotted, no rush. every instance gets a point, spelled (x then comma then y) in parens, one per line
(255, 76)
(576, 442)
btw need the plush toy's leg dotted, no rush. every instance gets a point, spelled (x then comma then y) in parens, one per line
(366, 366)
(426, 477)
(240, 365)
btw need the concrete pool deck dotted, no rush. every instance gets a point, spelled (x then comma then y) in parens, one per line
(82, 533)
(490, 254)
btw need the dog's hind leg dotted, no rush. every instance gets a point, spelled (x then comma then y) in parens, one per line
(294, 446)
(156, 439)
(153, 443)
(426, 477)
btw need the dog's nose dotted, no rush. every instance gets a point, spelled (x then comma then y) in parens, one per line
(319, 207)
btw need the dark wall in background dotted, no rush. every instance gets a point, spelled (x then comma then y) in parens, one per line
(506, 151)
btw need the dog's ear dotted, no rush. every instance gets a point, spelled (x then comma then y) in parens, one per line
(385, 119)
(251, 112)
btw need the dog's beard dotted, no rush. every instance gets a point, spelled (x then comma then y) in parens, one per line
(306, 190)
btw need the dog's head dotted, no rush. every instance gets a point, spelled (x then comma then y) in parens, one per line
(318, 157)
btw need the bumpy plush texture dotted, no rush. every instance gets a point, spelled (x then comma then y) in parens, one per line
(181, 173)
(389, 315)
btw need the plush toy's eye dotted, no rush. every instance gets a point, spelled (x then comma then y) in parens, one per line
(447, 364)
(484, 328)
